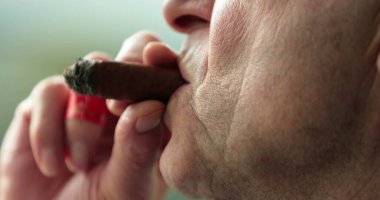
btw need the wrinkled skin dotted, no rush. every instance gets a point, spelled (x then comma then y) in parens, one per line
(282, 102)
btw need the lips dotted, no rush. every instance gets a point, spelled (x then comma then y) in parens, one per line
(167, 125)
(184, 73)
(189, 61)
(166, 135)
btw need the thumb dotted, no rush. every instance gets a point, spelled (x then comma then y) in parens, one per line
(137, 140)
(160, 55)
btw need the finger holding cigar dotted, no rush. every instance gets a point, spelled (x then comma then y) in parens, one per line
(87, 120)
(118, 80)
(125, 81)
(136, 49)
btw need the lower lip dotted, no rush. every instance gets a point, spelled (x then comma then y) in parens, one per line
(179, 90)
(166, 135)
(184, 73)
(165, 129)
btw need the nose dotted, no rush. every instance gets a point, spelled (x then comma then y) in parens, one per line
(186, 16)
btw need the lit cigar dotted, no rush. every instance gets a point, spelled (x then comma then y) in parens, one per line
(117, 80)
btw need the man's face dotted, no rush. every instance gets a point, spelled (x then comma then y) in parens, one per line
(275, 91)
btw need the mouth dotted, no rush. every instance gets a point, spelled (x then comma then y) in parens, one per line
(184, 72)
(166, 126)
(166, 135)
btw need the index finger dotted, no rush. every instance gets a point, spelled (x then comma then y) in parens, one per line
(131, 51)
(47, 127)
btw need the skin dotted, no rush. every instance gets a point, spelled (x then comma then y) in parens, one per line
(294, 106)
(116, 162)
(282, 103)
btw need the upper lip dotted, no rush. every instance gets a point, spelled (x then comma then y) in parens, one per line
(183, 70)
(193, 58)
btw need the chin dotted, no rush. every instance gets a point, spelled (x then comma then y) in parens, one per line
(179, 162)
(178, 167)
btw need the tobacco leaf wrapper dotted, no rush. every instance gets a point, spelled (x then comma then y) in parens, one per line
(117, 80)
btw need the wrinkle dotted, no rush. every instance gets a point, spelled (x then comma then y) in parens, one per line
(197, 117)
(211, 177)
(244, 34)
(280, 17)
(367, 185)
(374, 48)
(257, 21)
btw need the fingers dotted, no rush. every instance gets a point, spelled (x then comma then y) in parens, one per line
(160, 55)
(133, 47)
(16, 138)
(137, 140)
(15, 143)
(83, 134)
(131, 51)
(97, 55)
(117, 107)
(46, 126)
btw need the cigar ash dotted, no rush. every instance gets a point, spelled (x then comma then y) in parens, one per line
(79, 76)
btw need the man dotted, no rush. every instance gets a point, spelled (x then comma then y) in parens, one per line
(282, 103)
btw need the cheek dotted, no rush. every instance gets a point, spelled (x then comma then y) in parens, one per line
(225, 69)
(183, 162)
(273, 108)
(229, 27)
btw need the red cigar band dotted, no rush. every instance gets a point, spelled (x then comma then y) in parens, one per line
(89, 108)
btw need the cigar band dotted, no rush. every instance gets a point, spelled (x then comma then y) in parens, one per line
(89, 108)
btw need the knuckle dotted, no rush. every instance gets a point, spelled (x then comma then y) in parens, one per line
(37, 132)
(147, 35)
(23, 108)
(115, 110)
(138, 158)
(98, 55)
(144, 153)
(51, 85)
(124, 126)
(141, 35)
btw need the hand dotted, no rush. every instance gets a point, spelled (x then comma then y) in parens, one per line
(32, 156)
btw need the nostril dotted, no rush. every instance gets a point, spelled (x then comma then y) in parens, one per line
(186, 23)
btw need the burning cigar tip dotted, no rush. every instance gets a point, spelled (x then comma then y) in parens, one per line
(79, 76)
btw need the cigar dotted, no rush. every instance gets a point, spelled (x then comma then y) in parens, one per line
(117, 80)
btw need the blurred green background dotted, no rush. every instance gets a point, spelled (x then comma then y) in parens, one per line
(40, 38)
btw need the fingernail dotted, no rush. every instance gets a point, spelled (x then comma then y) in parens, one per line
(49, 162)
(79, 155)
(148, 122)
(110, 102)
(70, 165)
